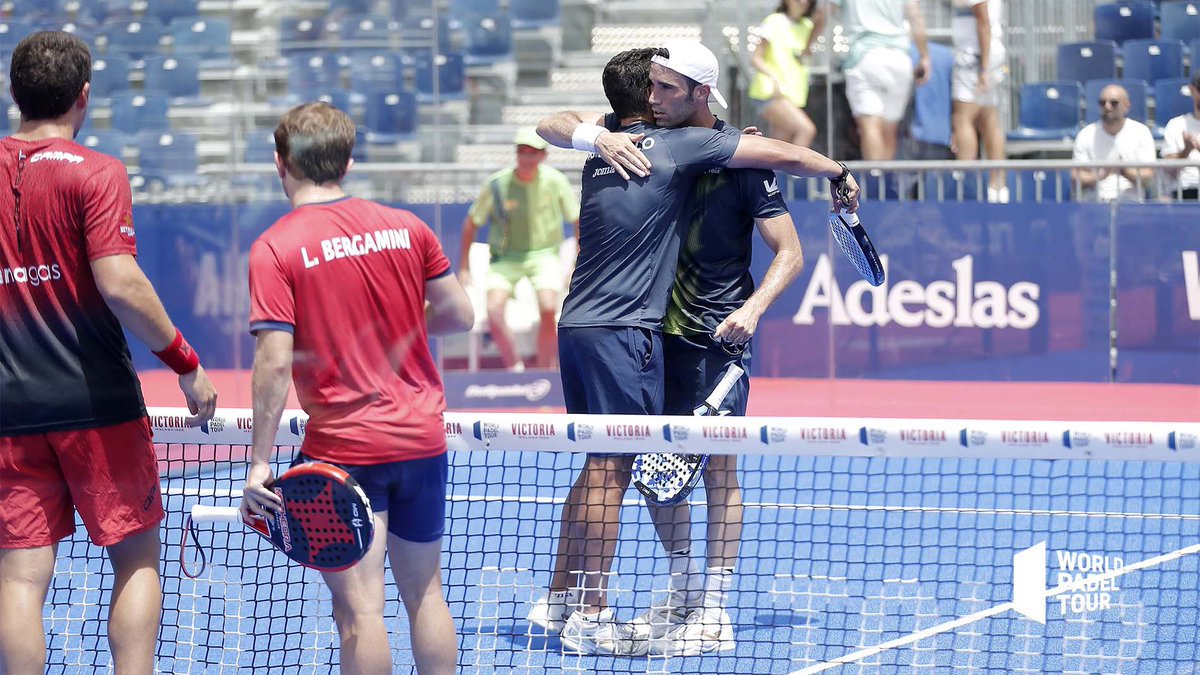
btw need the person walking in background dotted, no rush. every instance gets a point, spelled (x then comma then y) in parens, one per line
(1181, 140)
(526, 206)
(344, 294)
(879, 71)
(780, 85)
(1114, 137)
(74, 435)
(979, 77)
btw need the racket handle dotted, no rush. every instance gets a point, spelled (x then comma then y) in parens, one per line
(732, 374)
(851, 219)
(202, 513)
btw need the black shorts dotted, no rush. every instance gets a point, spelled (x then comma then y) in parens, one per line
(694, 366)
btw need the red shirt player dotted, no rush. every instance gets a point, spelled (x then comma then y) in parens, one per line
(339, 290)
(73, 427)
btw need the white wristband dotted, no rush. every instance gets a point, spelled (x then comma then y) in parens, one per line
(585, 135)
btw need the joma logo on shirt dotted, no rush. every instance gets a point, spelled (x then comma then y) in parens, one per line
(56, 155)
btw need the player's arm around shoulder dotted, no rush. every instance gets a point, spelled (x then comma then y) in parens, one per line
(583, 131)
(448, 309)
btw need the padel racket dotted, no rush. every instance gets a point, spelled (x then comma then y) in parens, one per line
(852, 238)
(667, 478)
(325, 523)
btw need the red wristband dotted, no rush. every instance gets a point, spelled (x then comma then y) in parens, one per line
(179, 355)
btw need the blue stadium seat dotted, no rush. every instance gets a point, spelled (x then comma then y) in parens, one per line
(24, 10)
(463, 9)
(370, 70)
(313, 73)
(1083, 61)
(167, 11)
(366, 32)
(417, 34)
(1137, 99)
(82, 30)
(137, 111)
(534, 13)
(111, 143)
(136, 38)
(1049, 111)
(338, 98)
(445, 72)
(350, 6)
(1126, 20)
(489, 40)
(1194, 49)
(168, 153)
(260, 146)
(12, 32)
(178, 76)
(1152, 60)
(300, 34)
(81, 10)
(1171, 99)
(1181, 21)
(207, 38)
(391, 116)
(109, 74)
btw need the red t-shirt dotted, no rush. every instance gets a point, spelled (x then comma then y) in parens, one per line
(348, 279)
(64, 362)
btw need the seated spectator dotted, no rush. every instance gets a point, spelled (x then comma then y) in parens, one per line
(1182, 140)
(1114, 138)
(780, 86)
(879, 72)
(526, 206)
(979, 75)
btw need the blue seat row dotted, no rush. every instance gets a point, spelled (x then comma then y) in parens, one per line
(1149, 60)
(1052, 111)
(1136, 20)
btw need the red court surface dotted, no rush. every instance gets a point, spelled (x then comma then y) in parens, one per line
(788, 397)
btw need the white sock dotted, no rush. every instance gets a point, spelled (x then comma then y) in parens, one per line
(569, 597)
(685, 576)
(717, 582)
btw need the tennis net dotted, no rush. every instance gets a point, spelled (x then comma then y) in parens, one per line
(870, 546)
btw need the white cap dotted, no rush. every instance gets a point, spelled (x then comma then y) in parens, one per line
(694, 60)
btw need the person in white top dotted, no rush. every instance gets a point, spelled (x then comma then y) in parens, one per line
(1181, 140)
(1114, 138)
(977, 85)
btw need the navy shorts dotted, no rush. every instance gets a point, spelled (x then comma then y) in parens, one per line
(693, 368)
(611, 370)
(413, 493)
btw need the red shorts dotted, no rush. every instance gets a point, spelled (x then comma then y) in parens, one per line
(110, 474)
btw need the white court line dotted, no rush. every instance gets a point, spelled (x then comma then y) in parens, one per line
(992, 611)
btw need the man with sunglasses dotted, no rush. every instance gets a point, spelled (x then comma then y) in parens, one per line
(1114, 137)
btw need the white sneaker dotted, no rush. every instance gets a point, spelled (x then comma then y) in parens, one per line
(665, 616)
(551, 611)
(601, 634)
(998, 195)
(704, 631)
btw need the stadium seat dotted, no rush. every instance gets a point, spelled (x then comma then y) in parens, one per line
(259, 146)
(178, 76)
(207, 38)
(1152, 60)
(338, 98)
(1137, 99)
(1127, 20)
(312, 74)
(463, 9)
(417, 35)
(443, 74)
(534, 13)
(1194, 49)
(171, 154)
(1049, 111)
(1083, 61)
(167, 11)
(137, 111)
(109, 74)
(12, 32)
(24, 10)
(366, 32)
(371, 70)
(300, 34)
(136, 38)
(391, 116)
(111, 143)
(1171, 99)
(489, 40)
(81, 10)
(1181, 21)
(350, 6)
(82, 30)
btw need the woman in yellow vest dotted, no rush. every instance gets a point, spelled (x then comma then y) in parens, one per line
(780, 84)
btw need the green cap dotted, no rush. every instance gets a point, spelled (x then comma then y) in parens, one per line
(528, 136)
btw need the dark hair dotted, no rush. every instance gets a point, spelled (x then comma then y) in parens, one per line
(626, 80)
(782, 8)
(315, 140)
(48, 71)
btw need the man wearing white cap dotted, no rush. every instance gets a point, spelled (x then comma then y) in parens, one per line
(526, 206)
(610, 332)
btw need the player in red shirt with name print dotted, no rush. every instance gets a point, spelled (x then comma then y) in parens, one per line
(73, 427)
(344, 294)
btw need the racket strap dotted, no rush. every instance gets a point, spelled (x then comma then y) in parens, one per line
(189, 531)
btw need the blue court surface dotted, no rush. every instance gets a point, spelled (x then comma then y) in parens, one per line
(840, 555)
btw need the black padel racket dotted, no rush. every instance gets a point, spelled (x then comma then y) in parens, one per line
(667, 478)
(326, 521)
(852, 238)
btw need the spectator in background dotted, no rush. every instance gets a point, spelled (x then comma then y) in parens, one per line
(879, 71)
(780, 85)
(979, 75)
(1114, 138)
(526, 206)
(1182, 140)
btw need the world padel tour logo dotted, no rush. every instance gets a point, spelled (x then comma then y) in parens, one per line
(674, 433)
(578, 431)
(1076, 439)
(770, 434)
(533, 430)
(972, 438)
(872, 436)
(1179, 440)
(298, 425)
(214, 426)
(486, 431)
